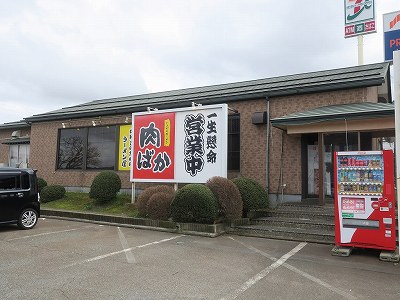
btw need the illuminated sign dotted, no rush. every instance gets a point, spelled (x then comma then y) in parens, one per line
(359, 17)
(391, 33)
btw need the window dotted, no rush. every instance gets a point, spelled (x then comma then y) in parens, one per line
(87, 148)
(71, 150)
(18, 155)
(9, 182)
(234, 142)
(101, 148)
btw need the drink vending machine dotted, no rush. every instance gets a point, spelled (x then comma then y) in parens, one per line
(365, 199)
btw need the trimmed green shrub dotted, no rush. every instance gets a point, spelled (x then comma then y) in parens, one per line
(253, 194)
(41, 184)
(228, 197)
(51, 193)
(194, 203)
(144, 197)
(159, 206)
(105, 186)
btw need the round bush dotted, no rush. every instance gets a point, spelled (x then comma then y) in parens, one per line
(51, 193)
(194, 203)
(253, 194)
(105, 186)
(41, 184)
(159, 206)
(144, 197)
(228, 197)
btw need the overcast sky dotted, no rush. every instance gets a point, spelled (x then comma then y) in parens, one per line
(58, 53)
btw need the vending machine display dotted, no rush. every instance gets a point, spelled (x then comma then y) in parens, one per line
(365, 199)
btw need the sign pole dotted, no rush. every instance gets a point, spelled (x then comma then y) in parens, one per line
(360, 40)
(133, 200)
(396, 71)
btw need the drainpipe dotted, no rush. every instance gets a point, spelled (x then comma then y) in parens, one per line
(267, 149)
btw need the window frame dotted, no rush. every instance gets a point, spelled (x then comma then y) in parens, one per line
(230, 159)
(85, 136)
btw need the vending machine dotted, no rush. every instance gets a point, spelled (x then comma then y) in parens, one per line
(365, 199)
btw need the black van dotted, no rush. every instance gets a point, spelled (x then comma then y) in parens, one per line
(19, 197)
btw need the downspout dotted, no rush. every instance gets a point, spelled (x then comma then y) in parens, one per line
(267, 149)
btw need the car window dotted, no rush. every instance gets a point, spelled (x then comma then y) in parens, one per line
(9, 182)
(25, 181)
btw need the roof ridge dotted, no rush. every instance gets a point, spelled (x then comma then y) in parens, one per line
(222, 86)
(317, 81)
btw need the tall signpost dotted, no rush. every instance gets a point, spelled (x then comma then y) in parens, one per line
(359, 20)
(391, 32)
(396, 71)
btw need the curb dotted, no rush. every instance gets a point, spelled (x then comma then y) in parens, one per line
(206, 230)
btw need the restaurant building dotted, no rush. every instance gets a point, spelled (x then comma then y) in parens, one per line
(282, 131)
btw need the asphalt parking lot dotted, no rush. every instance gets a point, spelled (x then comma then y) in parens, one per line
(61, 259)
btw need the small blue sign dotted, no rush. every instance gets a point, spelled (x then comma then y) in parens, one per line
(392, 43)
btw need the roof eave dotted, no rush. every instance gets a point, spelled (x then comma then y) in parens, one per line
(316, 119)
(209, 100)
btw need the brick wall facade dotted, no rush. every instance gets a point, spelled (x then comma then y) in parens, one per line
(44, 153)
(291, 154)
(5, 134)
(252, 139)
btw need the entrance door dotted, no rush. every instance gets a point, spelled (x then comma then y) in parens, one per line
(332, 143)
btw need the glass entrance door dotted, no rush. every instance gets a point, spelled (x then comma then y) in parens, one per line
(332, 143)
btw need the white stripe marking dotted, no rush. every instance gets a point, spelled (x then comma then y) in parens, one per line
(302, 273)
(129, 255)
(122, 251)
(252, 281)
(41, 234)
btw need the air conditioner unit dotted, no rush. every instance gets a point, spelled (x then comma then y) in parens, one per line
(16, 134)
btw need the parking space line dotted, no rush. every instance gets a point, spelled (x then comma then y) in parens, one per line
(296, 270)
(129, 255)
(41, 234)
(253, 280)
(122, 251)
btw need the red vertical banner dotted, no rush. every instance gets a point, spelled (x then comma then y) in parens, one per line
(154, 146)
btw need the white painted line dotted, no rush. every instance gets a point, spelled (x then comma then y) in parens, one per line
(122, 251)
(129, 255)
(253, 280)
(320, 282)
(302, 273)
(41, 234)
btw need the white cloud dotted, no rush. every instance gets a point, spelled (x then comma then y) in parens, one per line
(59, 53)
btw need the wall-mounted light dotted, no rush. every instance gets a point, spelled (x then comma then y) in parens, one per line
(63, 125)
(196, 104)
(126, 120)
(94, 123)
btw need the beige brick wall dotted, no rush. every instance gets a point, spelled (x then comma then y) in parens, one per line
(6, 134)
(44, 153)
(291, 155)
(252, 138)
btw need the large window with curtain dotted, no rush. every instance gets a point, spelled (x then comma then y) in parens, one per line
(18, 155)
